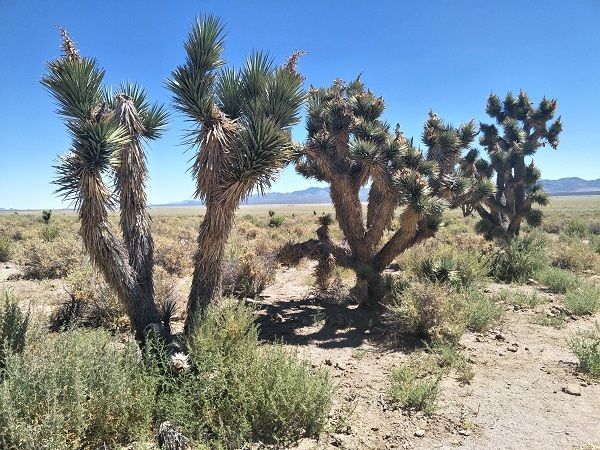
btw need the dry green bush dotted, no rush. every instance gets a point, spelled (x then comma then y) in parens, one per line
(519, 259)
(50, 232)
(13, 328)
(557, 280)
(173, 255)
(576, 228)
(237, 391)
(75, 390)
(50, 259)
(573, 254)
(413, 389)
(249, 275)
(276, 221)
(481, 311)
(426, 310)
(584, 300)
(92, 303)
(594, 243)
(586, 347)
(6, 248)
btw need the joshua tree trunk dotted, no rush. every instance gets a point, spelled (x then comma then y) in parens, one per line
(131, 183)
(110, 257)
(242, 137)
(208, 260)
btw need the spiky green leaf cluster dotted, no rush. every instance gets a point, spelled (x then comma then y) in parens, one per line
(97, 137)
(241, 118)
(348, 138)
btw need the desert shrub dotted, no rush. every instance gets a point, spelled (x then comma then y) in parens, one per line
(558, 280)
(6, 248)
(586, 347)
(519, 259)
(521, 299)
(249, 275)
(173, 255)
(50, 259)
(426, 310)
(50, 232)
(481, 311)
(13, 328)
(276, 221)
(576, 228)
(573, 254)
(447, 357)
(248, 230)
(594, 226)
(75, 390)
(92, 303)
(583, 300)
(412, 389)
(237, 390)
(555, 321)
(594, 243)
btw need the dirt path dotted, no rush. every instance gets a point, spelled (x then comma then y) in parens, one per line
(515, 401)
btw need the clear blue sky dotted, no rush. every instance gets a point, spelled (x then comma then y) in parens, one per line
(421, 55)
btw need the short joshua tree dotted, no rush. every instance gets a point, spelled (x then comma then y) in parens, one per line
(350, 147)
(525, 129)
(46, 216)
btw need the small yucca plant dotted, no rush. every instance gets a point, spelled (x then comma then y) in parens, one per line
(46, 215)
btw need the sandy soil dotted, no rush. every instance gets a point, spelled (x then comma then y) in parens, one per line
(515, 401)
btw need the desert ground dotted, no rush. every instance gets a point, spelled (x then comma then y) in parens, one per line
(512, 382)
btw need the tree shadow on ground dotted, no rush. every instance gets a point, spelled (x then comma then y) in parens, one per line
(315, 321)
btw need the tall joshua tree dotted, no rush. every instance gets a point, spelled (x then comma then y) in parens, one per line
(107, 132)
(349, 146)
(241, 137)
(525, 129)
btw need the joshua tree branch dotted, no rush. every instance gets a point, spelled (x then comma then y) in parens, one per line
(412, 231)
(111, 257)
(131, 183)
(380, 210)
(322, 162)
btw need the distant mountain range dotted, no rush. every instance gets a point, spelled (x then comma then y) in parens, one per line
(571, 186)
(316, 195)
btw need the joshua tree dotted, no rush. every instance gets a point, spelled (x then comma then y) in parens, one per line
(349, 146)
(46, 215)
(242, 123)
(107, 134)
(241, 135)
(525, 129)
